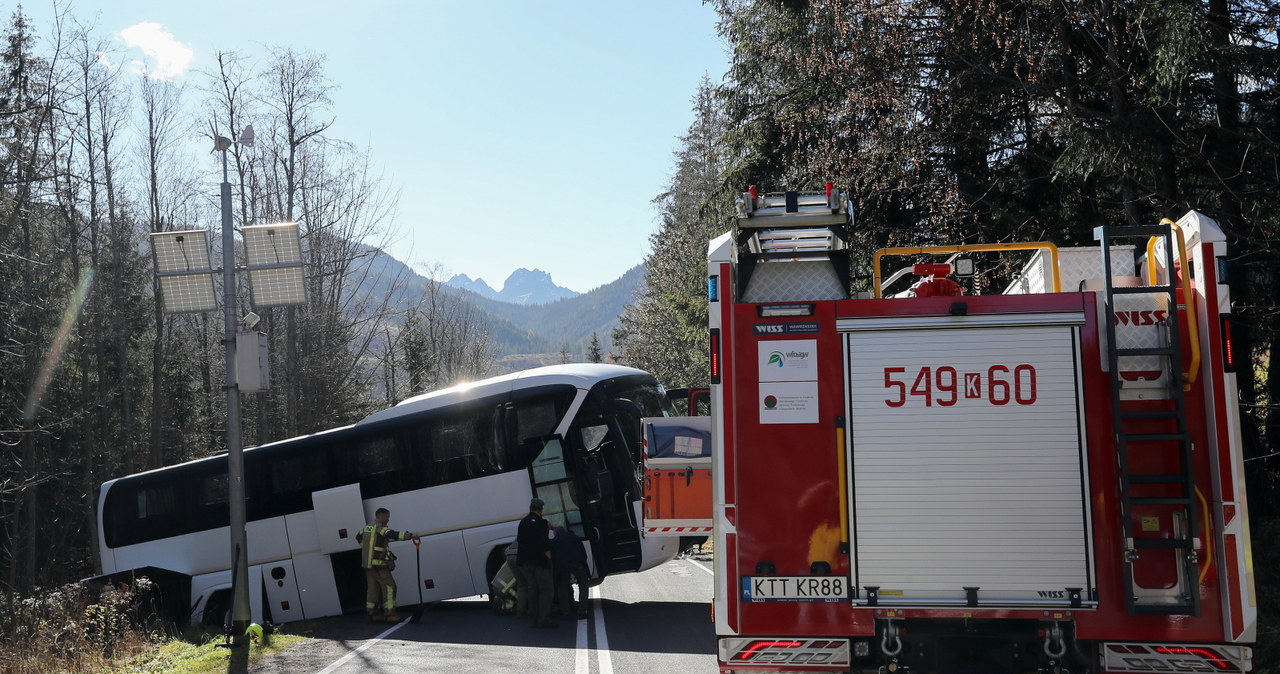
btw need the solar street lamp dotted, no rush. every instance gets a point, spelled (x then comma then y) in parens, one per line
(185, 275)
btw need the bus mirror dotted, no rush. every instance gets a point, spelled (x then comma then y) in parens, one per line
(593, 436)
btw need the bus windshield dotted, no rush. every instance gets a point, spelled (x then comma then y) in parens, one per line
(647, 395)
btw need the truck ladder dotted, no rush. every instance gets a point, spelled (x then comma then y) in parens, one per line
(803, 227)
(1170, 492)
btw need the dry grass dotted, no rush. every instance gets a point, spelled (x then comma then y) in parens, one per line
(76, 629)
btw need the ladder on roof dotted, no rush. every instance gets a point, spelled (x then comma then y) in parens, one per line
(808, 228)
(1161, 504)
(793, 224)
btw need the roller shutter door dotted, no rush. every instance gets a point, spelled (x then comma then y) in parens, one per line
(966, 464)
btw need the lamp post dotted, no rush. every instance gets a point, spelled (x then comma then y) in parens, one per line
(240, 613)
(185, 274)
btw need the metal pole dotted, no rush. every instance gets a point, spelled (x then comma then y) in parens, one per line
(240, 613)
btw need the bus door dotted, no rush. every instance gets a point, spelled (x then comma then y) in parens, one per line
(609, 477)
(553, 482)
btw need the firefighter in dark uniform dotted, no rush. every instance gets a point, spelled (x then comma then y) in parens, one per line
(378, 562)
(533, 555)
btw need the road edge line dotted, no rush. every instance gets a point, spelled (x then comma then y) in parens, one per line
(343, 660)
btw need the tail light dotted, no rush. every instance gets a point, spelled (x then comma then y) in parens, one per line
(1131, 657)
(1228, 348)
(715, 355)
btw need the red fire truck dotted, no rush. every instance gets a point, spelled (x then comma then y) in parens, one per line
(922, 478)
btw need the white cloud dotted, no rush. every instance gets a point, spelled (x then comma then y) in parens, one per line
(166, 57)
(105, 59)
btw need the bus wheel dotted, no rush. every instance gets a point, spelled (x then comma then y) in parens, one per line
(217, 611)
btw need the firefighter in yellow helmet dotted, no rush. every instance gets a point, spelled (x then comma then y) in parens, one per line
(378, 562)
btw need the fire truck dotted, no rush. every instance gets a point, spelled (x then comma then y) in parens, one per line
(1047, 477)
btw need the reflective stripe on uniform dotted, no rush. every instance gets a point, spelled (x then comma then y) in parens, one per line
(373, 544)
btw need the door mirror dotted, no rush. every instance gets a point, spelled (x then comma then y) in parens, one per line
(593, 436)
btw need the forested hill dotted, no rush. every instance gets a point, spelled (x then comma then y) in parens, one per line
(569, 323)
(518, 329)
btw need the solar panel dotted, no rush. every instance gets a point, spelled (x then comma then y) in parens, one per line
(183, 251)
(274, 256)
(187, 293)
(272, 245)
(280, 286)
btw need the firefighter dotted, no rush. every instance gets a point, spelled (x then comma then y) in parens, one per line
(378, 562)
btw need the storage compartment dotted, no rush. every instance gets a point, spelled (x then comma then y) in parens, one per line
(677, 475)
(966, 468)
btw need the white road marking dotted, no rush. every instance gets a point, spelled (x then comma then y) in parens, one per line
(581, 656)
(602, 639)
(700, 566)
(341, 661)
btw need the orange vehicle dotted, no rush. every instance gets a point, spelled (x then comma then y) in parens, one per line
(677, 476)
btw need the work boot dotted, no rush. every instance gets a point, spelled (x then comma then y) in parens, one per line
(393, 618)
(376, 618)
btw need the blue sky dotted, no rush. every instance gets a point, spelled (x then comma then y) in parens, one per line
(519, 133)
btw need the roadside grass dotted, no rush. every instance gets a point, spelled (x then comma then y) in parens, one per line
(178, 656)
(79, 629)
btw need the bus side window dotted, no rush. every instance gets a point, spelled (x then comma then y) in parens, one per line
(210, 507)
(293, 477)
(380, 466)
(531, 422)
(158, 512)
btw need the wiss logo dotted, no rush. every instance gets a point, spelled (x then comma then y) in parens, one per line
(1141, 317)
(1052, 594)
(770, 328)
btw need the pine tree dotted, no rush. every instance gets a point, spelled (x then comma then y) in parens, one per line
(664, 331)
(594, 355)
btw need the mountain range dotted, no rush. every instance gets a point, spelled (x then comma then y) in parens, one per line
(534, 328)
(524, 286)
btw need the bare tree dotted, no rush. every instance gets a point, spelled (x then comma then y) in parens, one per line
(444, 341)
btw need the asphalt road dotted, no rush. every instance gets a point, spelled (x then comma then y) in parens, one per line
(659, 620)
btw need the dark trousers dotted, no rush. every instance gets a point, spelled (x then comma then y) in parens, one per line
(522, 589)
(566, 573)
(540, 590)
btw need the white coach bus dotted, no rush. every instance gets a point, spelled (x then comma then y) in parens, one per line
(456, 466)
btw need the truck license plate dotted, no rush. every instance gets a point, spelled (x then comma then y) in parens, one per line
(795, 588)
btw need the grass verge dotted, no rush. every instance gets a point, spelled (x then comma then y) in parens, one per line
(178, 656)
